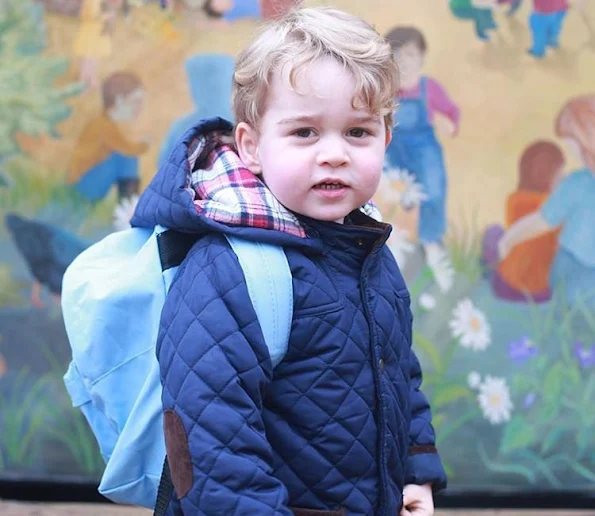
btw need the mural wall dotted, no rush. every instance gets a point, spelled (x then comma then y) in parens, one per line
(490, 182)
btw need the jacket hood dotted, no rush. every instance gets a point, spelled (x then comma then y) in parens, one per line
(204, 186)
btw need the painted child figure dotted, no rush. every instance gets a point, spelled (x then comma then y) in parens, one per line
(525, 273)
(227, 11)
(338, 424)
(513, 6)
(224, 12)
(209, 82)
(480, 12)
(93, 40)
(103, 156)
(546, 22)
(571, 206)
(415, 146)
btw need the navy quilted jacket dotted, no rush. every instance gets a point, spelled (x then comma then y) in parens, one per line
(340, 424)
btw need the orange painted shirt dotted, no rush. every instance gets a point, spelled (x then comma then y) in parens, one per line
(100, 137)
(527, 266)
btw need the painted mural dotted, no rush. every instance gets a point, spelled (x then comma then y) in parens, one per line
(490, 184)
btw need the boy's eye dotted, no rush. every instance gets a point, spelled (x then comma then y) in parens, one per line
(358, 132)
(304, 132)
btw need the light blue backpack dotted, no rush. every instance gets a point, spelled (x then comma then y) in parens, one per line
(112, 297)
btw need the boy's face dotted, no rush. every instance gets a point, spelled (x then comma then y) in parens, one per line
(319, 156)
(410, 59)
(128, 107)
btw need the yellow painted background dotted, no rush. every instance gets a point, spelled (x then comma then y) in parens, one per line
(507, 98)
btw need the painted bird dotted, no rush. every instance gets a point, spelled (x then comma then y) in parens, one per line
(46, 250)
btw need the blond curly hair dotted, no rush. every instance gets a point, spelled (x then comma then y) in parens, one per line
(304, 36)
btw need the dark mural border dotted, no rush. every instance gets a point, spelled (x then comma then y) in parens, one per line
(81, 492)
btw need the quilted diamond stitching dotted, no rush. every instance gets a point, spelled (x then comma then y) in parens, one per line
(389, 330)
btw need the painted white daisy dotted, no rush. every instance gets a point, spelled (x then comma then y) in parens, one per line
(494, 400)
(123, 213)
(470, 326)
(474, 380)
(400, 245)
(441, 266)
(399, 186)
(427, 301)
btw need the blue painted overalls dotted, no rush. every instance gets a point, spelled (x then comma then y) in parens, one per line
(415, 147)
(546, 29)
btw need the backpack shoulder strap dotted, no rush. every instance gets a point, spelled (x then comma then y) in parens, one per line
(270, 287)
(267, 274)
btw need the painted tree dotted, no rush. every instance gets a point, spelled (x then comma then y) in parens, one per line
(30, 100)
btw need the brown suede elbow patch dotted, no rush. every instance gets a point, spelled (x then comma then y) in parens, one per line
(178, 453)
(417, 450)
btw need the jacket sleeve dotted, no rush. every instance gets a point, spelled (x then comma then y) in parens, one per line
(423, 464)
(215, 369)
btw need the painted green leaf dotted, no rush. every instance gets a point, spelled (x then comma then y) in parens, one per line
(438, 420)
(583, 440)
(573, 374)
(523, 383)
(518, 434)
(551, 439)
(448, 469)
(450, 393)
(541, 362)
(554, 381)
(589, 392)
(548, 411)
(429, 349)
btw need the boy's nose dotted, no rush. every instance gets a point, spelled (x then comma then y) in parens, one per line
(332, 153)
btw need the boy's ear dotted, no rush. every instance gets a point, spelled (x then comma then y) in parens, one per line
(388, 136)
(247, 144)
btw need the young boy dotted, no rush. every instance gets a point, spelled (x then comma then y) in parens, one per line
(103, 156)
(338, 425)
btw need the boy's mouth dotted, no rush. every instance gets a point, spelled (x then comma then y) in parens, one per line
(330, 185)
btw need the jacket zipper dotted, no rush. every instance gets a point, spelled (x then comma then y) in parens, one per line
(375, 348)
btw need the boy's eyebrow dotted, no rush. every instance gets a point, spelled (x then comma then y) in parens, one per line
(297, 119)
(364, 119)
(367, 119)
